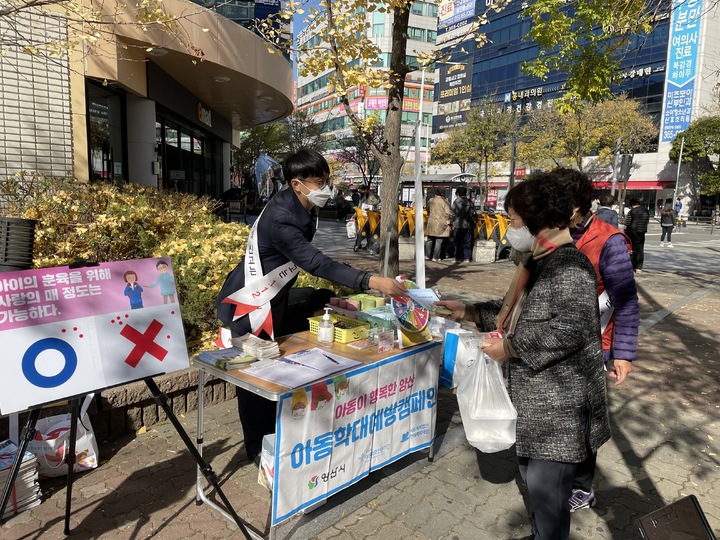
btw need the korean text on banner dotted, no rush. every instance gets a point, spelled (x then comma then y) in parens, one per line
(335, 432)
(66, 332)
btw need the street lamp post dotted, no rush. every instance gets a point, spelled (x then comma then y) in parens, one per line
(513, 148)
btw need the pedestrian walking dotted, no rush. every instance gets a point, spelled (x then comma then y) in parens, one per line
(667, 222)
(463, 216)
(606, 212)
(636, 225)
(439, 226)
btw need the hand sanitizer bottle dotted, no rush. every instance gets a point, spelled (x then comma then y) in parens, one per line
(326, 328)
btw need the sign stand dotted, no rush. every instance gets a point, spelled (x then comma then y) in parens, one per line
(26, 436)
(204, 466)
(28, 433)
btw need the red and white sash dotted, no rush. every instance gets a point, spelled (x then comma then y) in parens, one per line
(254, 298)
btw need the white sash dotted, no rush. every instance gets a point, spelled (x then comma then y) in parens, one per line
(606, 310)
(254, 298)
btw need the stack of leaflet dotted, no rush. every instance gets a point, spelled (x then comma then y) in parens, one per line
(257, 347)
(227, 359)
(26, 491)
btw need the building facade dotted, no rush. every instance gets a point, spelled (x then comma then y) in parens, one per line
(314, 96)
(150, 106)
(671, 71)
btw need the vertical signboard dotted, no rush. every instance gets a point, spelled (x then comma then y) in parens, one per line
(682, 68)
(454, 95)
(455, 80)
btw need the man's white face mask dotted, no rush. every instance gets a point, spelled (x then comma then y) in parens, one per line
(318, 197)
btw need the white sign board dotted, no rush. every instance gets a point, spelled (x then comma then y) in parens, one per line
(334, 433)
(66, 332)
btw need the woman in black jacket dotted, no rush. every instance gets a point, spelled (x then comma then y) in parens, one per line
(667, 222)
(636, 224)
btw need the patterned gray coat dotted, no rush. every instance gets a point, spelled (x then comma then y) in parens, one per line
(557, 383)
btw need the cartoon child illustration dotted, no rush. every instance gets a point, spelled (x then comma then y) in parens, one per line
(341, 386)
(166, 282)
(321, 396)
(299, 403)
(133, 290)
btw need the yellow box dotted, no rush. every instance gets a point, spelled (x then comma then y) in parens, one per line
(353, 330)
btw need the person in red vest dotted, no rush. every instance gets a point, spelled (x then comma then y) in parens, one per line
(609, 252)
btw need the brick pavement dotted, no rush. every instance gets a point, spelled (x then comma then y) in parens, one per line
(666, 424)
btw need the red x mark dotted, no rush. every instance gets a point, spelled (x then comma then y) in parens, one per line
(143, 343)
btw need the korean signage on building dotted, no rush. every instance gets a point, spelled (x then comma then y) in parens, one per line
(681, 68)
(454, 94)
(451, 12)
(66, 332)
(335, 432)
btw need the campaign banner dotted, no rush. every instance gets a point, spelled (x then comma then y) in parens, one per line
(682, 68)
(333, 433)
(70, 331)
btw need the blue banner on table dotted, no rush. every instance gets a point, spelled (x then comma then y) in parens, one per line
(335, 432)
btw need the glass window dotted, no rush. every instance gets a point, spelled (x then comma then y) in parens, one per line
(185, 141)
(171, 136)
(432, 10)
(378, 30)
(418, 8)
(418, 34)
(431, 36)
(197, 146)
(409, 117)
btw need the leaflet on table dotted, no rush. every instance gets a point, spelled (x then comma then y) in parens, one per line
(426, 298)
(229, 358)
(300, 368)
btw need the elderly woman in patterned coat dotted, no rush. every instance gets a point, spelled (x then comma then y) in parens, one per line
(550, 324)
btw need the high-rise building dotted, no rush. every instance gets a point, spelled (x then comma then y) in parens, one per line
(671, 71)
(314, 96)
(145, 105)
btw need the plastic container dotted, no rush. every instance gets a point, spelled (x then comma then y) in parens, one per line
(351, 330)
(326, 328)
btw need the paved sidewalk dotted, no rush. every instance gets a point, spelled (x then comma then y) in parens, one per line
(666, 428)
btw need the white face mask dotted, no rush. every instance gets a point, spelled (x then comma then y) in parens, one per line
(318, 197)
(520, 239)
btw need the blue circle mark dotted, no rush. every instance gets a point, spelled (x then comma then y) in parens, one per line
(30, 357)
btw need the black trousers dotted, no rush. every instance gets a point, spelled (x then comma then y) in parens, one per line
(585, 474)
(638, 250)
(257, 414)
(549, 486)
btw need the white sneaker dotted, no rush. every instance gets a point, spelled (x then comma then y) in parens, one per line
(669, 244)
(662, 244)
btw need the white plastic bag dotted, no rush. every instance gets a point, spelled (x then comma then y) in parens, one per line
(52, 442)
(488, 415)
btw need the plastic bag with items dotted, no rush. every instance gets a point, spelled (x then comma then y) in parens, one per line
(488, 415)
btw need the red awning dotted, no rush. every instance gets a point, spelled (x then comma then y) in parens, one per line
(641, 185)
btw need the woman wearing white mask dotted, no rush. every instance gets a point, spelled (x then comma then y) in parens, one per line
(550, 324)
(255, 295)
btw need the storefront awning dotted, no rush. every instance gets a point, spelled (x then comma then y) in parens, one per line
(639, 185)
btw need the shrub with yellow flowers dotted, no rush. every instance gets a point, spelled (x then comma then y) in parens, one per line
(111, 222)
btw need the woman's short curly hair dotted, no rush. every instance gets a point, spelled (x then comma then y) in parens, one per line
(541, 201)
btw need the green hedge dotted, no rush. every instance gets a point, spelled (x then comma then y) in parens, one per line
(108, 222)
